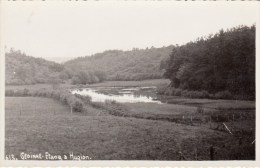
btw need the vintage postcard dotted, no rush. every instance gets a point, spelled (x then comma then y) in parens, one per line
(129, 83)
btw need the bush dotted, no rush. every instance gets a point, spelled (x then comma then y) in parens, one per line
(177, 92)
(86, 99)
(223, 95)
(71, 100)
(98, 105)
(185, 93)
(161, 89)
(205, 94)
(9, 92)
(26, 92)
(168, 92)
(200, 109)
(77, 105)
(63, 98)
(19, 93)
(56, 95)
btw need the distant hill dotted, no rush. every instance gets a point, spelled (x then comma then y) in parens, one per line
(23, 69)
(59, 60)
(137, 64)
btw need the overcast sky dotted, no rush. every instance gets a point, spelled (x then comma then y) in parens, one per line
(72, 29)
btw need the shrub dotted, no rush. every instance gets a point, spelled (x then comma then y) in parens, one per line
(223, 95)
(211, 96)
(26, 92)
(162, 89)
(184, 93)
(168, 92)
(98, 105)
(72, 101)
(86, 99)
(193, 94)
(177, 92)
(9, 92)
(42, 93)
(77, 106)
(200, 109)
(19, 93)
(63, 98)
(56, 95)
(205, 94)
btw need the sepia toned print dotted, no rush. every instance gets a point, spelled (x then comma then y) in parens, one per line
(143, 82)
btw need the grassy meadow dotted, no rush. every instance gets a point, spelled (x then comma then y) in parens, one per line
(184, 129)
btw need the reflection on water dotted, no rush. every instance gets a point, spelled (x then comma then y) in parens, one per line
(120, 94)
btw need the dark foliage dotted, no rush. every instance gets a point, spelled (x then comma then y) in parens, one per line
(224, 63)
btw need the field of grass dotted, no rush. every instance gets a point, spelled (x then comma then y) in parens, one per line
(39, 125)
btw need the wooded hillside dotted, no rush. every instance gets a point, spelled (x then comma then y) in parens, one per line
(22, 69)
(137, 64)
(221, 62)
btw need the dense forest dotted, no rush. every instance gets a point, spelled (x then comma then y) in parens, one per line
(22, 69)
(224, 62)
(137, 64)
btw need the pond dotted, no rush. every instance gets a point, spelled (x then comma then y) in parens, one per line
(120, 94)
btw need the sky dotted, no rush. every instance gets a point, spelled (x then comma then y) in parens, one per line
(72, 29)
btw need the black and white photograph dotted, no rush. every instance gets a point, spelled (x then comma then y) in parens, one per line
(110, 81)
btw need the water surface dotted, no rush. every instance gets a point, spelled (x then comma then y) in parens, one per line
(120, 94)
